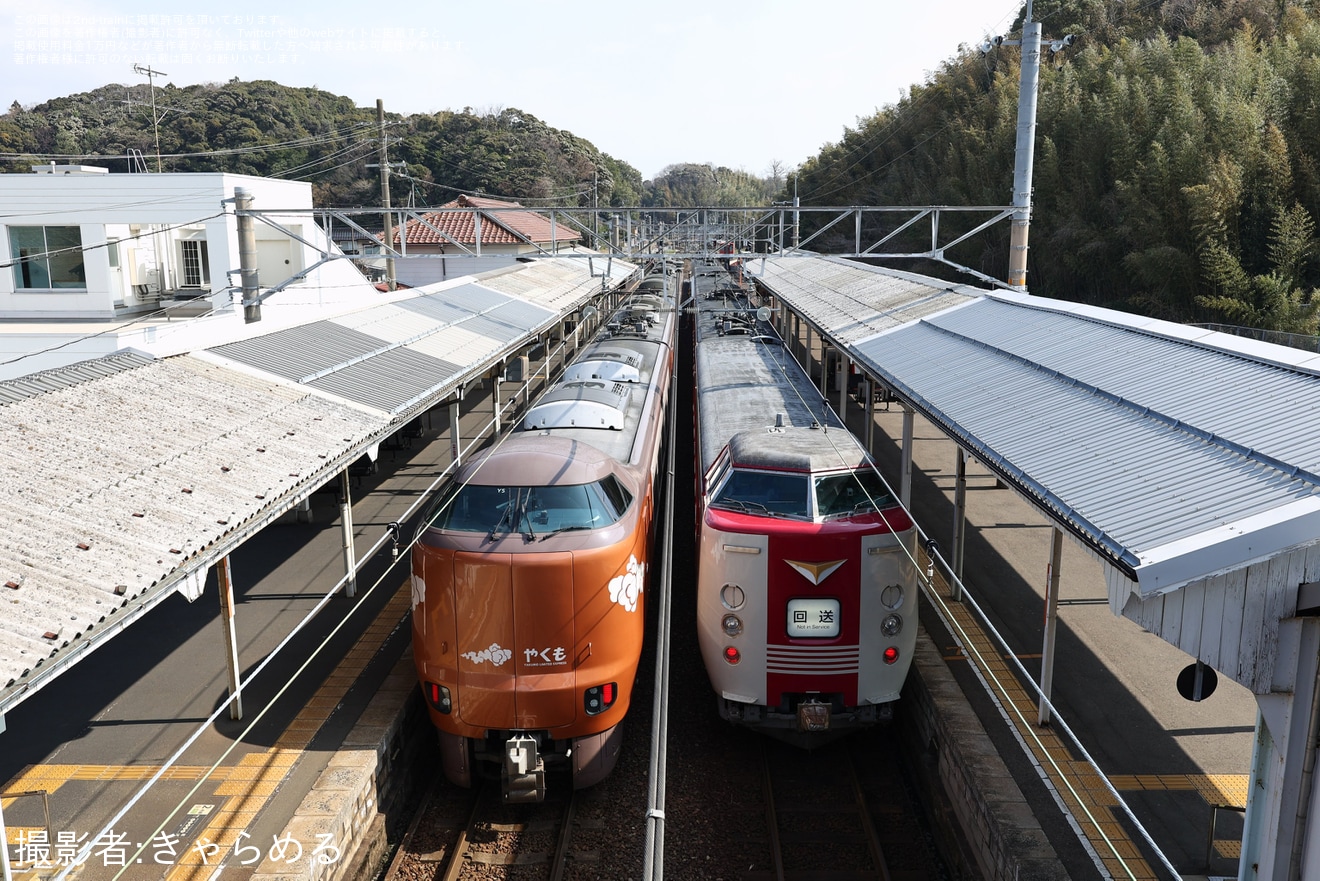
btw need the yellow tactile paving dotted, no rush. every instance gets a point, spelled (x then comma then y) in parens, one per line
(250, 795)
(247, 785)
(1083, 792)
(1078, 784)
(1226, 790)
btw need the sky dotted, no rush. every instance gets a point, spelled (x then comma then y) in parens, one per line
(735, 83)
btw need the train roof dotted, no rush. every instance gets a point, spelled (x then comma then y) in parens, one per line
(601, 398)
(537, 459)
(749, 381)
(797, 449)
(586, 403)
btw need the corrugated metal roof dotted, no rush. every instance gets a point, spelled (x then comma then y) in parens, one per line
(386, 357)
(852, 301)
(1179, 453)
(157, 483)
(40, 383)
(161, 467)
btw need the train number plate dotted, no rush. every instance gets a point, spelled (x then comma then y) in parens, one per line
(816, 617)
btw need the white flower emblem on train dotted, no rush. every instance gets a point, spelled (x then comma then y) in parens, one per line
(626, 589)
(418, 592)
(494, 654)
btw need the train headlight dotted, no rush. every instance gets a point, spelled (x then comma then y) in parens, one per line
(891, 655)
(732, 655)
(732, 596)
(732, 625)
(438, 696)
(891, 625)
(892, 596)
(600, 698)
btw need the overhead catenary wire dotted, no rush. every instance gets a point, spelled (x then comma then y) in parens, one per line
(305, 141)
(653, 860)
(902, 115)
(985, 673)
(387, 536)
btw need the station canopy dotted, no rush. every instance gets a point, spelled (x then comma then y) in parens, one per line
(1174, 452)
(129, 476)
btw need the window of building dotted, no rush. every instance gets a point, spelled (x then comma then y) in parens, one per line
(47, 258)
(195, 264)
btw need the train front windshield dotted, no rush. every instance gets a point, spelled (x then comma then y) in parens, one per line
(793, 495)
(534, 510)
(854, 492)
(767, 493)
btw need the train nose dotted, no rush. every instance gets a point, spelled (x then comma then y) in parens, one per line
(515, 637)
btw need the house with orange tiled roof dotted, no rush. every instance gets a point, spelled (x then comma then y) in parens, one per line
(501, 231)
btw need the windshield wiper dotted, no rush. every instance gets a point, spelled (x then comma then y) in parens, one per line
(520, 515)
(573, 528)
(741, 505)
(490, 536)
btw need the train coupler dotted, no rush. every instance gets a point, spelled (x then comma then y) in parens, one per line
(524, 771)
(813, 716)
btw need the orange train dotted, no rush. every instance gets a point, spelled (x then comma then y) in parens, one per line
(528, 572)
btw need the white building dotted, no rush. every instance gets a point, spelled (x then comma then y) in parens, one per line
(99, 262)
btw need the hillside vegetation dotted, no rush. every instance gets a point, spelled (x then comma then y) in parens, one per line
(1177, 157)
(264, 128)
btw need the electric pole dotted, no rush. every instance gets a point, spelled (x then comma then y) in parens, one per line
(155, 120)
(385, 193)
(1025, 153)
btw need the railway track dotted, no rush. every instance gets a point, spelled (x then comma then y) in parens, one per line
(817, 817)
(465, 836)
(839, 813)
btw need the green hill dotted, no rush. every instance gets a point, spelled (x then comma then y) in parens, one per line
(1177, 157)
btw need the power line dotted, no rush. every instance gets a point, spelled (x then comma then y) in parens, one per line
(902, 116)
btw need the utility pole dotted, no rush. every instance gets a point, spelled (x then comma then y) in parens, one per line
(155, 121)
(385, 194)
(247, 256)
(795, 212)
(1025, 153)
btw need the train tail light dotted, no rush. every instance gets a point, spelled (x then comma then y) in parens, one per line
(600, 698)
(438, 696)
(732, 655)
(891, 655)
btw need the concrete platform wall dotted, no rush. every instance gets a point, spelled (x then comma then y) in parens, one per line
(983, 821)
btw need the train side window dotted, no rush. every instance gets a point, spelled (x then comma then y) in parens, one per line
(618, 496)
(716, 472)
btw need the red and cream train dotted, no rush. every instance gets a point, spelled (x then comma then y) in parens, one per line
(806, 586)
(528, 572)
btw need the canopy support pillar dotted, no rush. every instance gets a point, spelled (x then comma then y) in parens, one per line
(346, 528)
(224, 578)
(455, 448)
(1051, 623)
(959, 521)
(1281, 831)
(905, 475)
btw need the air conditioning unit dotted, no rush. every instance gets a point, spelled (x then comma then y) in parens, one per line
(143, 276)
